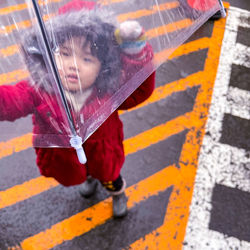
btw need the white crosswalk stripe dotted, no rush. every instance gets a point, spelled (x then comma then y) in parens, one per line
(220, 163)
(238, 103)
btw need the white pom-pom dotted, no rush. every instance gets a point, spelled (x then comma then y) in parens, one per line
(130, 30)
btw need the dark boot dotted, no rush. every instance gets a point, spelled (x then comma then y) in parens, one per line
(88, 187)
(119, 205)
(116, 188)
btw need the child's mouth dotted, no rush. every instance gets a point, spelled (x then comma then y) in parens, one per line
(73, 78)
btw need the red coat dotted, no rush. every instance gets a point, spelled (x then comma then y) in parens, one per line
(104, 150)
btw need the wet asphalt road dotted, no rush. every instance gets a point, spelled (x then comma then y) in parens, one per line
(162, 154)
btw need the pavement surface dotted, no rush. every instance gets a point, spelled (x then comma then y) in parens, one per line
(187, 159)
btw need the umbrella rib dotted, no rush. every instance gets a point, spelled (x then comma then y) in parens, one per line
(53, 66)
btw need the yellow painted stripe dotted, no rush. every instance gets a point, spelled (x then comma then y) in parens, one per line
(11, 9)
(25, 141)
(183, 49)
(6, 30)
(71, 223)
(81, 223)
(131, 145)
(159, 93)
(171, 234)
(26, 190)
(178, 209)
(170, 88)
(182, 84)
(159, 133)
(27, 23)
(8, 148)
(189, 47)
(147, 12)
(9, 51)
(15, 145)
(14, 76)
(22, 6)
(168, 28)
(14, 48)
(181, 197)
(18, 75)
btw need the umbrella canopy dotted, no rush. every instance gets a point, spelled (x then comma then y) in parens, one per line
(78, 61)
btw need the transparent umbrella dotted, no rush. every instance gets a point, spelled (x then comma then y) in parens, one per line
(71, 64)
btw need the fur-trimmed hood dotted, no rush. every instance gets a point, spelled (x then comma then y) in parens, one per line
(98, 21)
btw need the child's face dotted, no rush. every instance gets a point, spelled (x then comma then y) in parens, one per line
(78, 68)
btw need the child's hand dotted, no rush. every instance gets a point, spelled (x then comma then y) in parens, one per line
(130, 36)
(130, 30)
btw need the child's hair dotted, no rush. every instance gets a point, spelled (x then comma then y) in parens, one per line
(96, 28)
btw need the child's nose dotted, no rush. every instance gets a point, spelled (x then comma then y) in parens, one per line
(73, 68)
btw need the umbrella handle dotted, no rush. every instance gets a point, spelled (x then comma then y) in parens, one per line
(76, 143)
(81, 155)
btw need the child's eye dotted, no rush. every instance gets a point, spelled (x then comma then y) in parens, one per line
(87, 59)
(65, 53)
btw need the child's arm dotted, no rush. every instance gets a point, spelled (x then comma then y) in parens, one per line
(137, 53)
(142, 93)
(16, 101)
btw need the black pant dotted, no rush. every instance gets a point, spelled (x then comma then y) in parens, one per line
(114, 186)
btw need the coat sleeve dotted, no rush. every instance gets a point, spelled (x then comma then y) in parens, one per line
(132, 64)
(16, 101)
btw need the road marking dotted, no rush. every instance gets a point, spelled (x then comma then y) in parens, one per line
(6, 30)
(168, 89)
(148, 12)
(24, 142)
(179, 124)
(159, 133)
(168, 28)
(9, 51)
(220, 163)
(177, 212)
(241, 55)
(21, 74)
(181, 194)
(26, 190)
(132, 145)
(7, 148)
(12, 8)
(15, 145)
(137, 14)
(200, 43)
(14, 76)
(189, 47)
(171, 234)
(238, 103)
(22, 6)
(98, 214)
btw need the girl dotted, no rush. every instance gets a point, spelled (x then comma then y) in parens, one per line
(93, 58)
